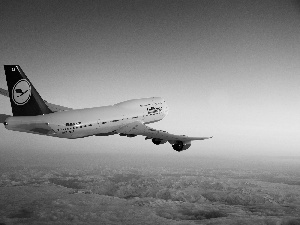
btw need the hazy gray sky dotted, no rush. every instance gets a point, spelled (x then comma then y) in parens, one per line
(226, 68)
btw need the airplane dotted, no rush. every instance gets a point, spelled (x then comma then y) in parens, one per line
(32, 114)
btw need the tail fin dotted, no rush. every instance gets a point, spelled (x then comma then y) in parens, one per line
(24, 99)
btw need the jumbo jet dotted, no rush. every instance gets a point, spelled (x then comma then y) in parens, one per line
(31, 114)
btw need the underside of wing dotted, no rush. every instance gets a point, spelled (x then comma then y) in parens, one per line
(158, 136)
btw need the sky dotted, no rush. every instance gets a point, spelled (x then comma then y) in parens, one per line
(228, 69)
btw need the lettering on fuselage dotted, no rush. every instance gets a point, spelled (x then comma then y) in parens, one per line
(71, 127)
(153, 110)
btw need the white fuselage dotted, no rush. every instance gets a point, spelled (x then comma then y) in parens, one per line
(100, 121)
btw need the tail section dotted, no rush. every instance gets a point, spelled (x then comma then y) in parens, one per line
(24, 99)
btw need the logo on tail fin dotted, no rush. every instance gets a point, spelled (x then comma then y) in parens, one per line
(21, 92)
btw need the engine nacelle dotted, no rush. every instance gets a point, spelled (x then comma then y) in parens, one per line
(158, 141)
(180, 146)
(128, 135)
(185, 147)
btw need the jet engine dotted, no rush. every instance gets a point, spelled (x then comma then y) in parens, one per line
(158, 141)
(179, 146)
(128, 135)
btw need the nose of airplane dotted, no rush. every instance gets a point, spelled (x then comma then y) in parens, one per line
(165, 107)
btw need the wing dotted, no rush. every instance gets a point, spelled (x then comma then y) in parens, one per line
(52, 107)
(158, 136)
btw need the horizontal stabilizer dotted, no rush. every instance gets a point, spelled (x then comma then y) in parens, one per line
(57, 108)
(24, 126)
(4, 92)
(3, 117)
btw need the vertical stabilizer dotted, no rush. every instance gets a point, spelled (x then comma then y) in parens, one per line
(24, 99)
